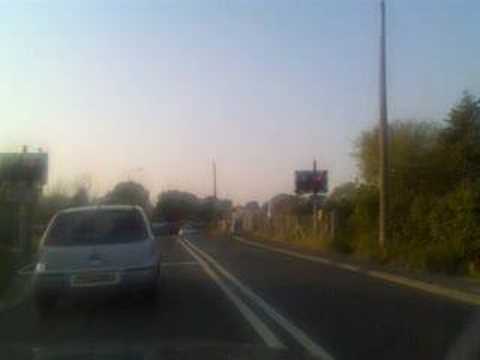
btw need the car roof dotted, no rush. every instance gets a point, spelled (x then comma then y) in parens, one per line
(100, 208)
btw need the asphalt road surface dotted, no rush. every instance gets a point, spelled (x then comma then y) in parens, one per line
(221, 291)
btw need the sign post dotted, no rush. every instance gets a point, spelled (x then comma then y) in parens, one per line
(22, 176)
(315, 205)
(312, 182)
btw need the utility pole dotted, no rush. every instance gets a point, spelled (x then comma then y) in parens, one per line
(315, 201)
(383, 138)
(214, 165)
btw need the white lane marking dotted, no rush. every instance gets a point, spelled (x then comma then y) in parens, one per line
(439, 290)
(293, 330)
(260, 327)
(179, 263)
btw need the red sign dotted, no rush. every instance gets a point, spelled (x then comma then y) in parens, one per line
(309, 181)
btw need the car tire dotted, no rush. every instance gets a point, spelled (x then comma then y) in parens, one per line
(151, 294)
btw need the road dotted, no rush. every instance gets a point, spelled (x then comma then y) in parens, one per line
(221, 291)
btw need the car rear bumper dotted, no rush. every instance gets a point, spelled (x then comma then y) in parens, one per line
(128, 281)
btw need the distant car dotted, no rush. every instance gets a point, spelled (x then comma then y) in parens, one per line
(101, 247)
(164, 229)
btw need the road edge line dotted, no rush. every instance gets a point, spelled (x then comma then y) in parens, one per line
(258, 325)
(298, 334)
(452, 294)
(439, 290)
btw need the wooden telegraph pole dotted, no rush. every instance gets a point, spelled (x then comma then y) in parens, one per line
(315, 205)
(383, 138)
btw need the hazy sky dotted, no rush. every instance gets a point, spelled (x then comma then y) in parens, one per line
(263, 87)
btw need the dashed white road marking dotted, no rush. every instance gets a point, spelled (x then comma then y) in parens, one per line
(298, 334)
(260, 327)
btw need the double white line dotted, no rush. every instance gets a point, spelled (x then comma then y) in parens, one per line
(207, 263)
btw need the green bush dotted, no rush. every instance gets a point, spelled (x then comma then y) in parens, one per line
(342, 242)
(364, 222)
(444, 257)
(455, 229)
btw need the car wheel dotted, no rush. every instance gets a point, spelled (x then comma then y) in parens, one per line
(152, 292)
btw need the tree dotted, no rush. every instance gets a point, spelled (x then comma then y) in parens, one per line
(252, 205)
(50, 203)
(212, 209)
(283, 204)
(80, 198)
(175, 206)
(224, 208)
(460, 139)
(343, 192)
(413, 158)
(342, 200)
(206, 209)
(129, 193)
(84, 181)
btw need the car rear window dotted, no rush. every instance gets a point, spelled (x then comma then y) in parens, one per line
(95, 227)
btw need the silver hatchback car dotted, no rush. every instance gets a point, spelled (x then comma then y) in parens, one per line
(96, 248)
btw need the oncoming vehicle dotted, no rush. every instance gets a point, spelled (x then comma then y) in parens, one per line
(101, 247)
(164, 229)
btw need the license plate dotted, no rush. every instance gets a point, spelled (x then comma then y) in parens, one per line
(95, 278)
